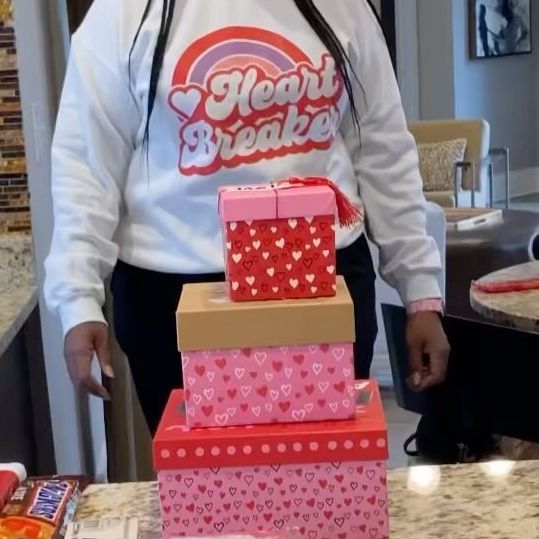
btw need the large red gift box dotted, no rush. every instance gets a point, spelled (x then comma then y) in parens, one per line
(312, 480)
(279, 241)
(259, 362)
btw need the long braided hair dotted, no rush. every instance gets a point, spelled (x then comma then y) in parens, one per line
(307, 8)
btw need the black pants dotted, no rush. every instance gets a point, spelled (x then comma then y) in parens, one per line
(145, 303)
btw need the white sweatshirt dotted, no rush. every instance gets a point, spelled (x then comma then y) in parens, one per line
(247, 94)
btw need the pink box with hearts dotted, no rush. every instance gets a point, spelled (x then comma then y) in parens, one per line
(285, 362)
(312, 480)
(279, 241)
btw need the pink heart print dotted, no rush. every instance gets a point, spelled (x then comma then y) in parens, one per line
(317, 501)
(269, 385)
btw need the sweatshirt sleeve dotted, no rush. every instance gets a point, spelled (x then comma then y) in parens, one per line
(385, 160)
(91, 154)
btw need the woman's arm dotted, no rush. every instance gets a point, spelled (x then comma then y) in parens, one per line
(386, 165)
(385, 162)
(92, 148)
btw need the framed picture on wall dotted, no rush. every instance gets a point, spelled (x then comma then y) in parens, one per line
(500, 28)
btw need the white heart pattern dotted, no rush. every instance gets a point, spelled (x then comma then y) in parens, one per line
(221, 419)
(332, 504)
(275, 251)
(246, 390)
(185, 102)
(264, 385)
(323, 386)
(260, 358)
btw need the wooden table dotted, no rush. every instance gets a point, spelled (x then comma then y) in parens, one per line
(519, 310)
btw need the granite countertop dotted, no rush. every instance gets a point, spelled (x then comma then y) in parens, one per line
(498, 500)
(18, 293)
(514, 309)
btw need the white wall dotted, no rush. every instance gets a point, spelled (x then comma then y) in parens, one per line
(41, 45)
(436, 76)
(407, 42)
(503, 90)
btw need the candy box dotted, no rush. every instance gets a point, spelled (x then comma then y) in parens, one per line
(279, 241)
(42, 508)
(265, 362)
(314, 480)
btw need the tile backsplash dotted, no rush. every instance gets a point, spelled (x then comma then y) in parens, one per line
(14, 195)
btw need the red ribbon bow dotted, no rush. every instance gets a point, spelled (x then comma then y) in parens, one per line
(348, 213)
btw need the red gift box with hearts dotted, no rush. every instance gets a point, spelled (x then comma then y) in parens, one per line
(255, 363)
(279, 241)
(312, 480)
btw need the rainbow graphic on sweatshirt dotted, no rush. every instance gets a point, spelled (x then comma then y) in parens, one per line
(245, 94)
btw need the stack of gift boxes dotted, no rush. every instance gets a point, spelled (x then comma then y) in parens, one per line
(272, 435)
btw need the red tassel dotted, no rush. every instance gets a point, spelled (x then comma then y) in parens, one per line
(349, 214)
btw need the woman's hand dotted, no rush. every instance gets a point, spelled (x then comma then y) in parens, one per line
(428, 350)
(81, 343)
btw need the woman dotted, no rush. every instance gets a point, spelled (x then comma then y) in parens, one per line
(166, 101)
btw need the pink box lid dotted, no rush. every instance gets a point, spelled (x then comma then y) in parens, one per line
(364, 437)
(258, 202)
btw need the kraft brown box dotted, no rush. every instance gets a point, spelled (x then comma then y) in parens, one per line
(208, 320)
